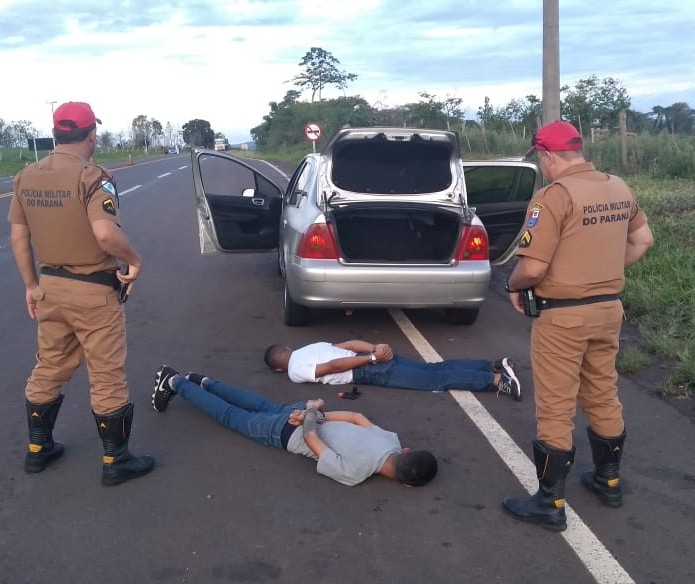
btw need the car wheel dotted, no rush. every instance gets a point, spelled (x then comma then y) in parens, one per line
(279, 262)
(462, 315)
(293, 314)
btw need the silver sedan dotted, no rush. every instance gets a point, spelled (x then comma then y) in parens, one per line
(380, 218)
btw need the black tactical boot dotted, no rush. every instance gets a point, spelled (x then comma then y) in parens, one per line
(119, 464)
(547, 507)
(42, 449)
(604, 480)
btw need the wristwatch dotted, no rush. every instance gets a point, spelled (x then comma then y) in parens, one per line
(507, 288)
(372, 358)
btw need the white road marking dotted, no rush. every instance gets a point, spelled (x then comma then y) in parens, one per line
(183, 167)
(592, 553)
(130, 190)
(4, 195)
(275, 168)
(163, 175)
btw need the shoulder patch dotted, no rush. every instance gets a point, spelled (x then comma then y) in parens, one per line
(109, 206)
(109, 187)
(526, 238)
(533, 215)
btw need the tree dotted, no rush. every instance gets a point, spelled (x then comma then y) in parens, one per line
(105, 140)
(321, 70)
(679, 118)
(428, 112)
(274, 120)
(16, 134)
(198, 134)
(594, 102)
(453, 111)
(157, 132)
(524, 114)
(145, 130)
(491, 118)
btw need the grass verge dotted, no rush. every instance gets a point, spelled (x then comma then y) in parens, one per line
(14, 160)
(659, 289)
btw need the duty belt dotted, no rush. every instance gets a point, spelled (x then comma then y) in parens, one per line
(106, 278)
(545, 303)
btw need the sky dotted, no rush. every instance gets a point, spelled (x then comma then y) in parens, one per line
(224, 61)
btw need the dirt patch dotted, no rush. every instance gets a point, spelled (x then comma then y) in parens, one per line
(651, 379)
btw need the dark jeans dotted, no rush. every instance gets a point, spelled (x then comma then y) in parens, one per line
(243, 411)
(403, 373)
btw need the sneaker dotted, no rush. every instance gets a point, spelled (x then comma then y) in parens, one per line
(498, 364)
(163, 392)
(194, 377)
(508, 383)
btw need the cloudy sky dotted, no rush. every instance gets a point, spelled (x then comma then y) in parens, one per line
(225, 60)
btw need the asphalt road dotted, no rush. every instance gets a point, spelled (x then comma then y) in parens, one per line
(219, 508)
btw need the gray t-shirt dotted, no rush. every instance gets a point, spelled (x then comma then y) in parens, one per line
(354, 452)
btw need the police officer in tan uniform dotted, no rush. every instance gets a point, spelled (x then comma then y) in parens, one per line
(582, 231)
(64, 214)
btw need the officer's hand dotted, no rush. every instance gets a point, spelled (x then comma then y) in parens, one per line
(33, 295)
(515, 299)
(131, 274)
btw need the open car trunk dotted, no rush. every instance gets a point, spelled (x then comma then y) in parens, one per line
(391, 167)
(396, 233)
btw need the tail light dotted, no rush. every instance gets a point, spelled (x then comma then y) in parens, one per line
(318, 243)
(474, 244)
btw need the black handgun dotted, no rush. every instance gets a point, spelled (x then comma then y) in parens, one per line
(528, 300)
(123, 290)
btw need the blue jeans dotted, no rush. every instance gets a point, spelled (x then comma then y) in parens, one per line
(404, 373)
(245, 412)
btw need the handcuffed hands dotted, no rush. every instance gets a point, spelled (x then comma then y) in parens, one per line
(383, 352)
(312, 419)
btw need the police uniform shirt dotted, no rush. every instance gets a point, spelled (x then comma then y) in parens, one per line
(58, 198)
(578, 225)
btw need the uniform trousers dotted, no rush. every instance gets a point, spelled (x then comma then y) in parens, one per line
(573, 353)
(79, 321)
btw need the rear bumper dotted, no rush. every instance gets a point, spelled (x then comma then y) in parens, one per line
(329, 284)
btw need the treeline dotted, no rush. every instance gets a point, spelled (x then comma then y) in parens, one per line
(659, 141)
(656, 145)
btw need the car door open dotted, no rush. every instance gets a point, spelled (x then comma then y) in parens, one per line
(500, 191)
(238, 207)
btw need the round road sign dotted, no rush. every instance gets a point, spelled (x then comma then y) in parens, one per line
(312, 132)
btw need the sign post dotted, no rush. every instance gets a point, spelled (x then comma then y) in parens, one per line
(312, 132)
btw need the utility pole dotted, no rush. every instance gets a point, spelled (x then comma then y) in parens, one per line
(52, 110)
(551, 61)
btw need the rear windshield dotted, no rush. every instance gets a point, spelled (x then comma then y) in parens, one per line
(385, 166)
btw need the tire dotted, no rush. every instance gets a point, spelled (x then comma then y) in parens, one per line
(462, 316)
(279, 263)
(293, 314)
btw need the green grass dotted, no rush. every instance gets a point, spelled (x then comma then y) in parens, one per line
(660, 289)
(14, 160)
(633, 361)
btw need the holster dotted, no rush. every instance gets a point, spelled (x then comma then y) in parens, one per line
(528, 300)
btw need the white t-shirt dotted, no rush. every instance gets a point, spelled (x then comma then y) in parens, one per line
(303, 362)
